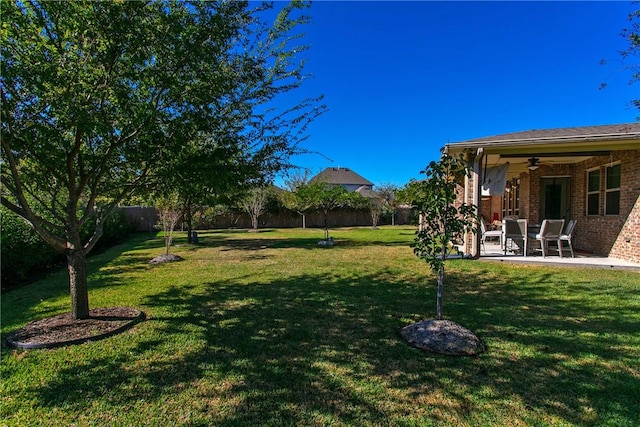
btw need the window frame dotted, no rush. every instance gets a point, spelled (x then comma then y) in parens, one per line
(592, 192)
(611, 190)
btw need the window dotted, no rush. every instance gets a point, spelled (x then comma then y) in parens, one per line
(511, 198)
(593, 192)
(612, 191)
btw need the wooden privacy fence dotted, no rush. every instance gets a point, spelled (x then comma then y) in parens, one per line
(147, 219)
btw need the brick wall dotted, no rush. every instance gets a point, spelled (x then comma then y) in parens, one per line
(615, 235)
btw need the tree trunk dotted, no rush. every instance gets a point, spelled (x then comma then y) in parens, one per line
(77, 267)
(439, 294)
(304, 221)
(187, 214)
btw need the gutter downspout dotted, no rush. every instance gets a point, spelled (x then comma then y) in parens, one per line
(477, 165)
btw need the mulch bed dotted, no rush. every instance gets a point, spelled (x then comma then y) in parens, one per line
(63, 330)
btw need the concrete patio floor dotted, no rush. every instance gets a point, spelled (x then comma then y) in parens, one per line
(493, 253)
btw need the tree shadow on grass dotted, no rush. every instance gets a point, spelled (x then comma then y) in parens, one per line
(574, 357)
(230, 242)
(325, 349)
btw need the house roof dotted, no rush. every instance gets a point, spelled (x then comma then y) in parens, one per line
(560, 145)
(585, 133)
(341, 176)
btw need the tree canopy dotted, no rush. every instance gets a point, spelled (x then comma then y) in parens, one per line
(632, 34)
(101, 99)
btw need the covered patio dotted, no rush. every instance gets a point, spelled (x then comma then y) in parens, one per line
(493, 252)
(588, 174)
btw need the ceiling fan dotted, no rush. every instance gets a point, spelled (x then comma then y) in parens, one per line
(534, 163)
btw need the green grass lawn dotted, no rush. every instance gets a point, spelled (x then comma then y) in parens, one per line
(269, 329)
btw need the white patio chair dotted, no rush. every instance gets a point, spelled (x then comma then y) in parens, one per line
(567, 235)
(550, 231)
(516, 231)
(488, 233)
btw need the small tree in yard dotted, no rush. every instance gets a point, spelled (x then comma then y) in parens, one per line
(325, 198)
(375, 204)
(387, 195)
(296, 197)
(255, 204)
(169, 212)
(443, 223)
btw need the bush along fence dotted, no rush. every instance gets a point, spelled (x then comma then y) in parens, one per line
(25, 255)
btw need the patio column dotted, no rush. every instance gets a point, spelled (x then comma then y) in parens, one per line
(477, 165)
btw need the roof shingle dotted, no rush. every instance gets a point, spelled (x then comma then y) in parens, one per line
(620, 130)
(341, 176)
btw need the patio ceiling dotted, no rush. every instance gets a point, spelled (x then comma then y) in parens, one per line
(519, 164)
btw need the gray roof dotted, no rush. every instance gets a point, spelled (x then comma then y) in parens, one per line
(341, 176)
(604, 132)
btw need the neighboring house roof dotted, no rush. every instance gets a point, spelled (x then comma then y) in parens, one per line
(366, 191)
(341, 176)
(561, 145)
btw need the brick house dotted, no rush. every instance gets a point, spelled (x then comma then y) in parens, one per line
(591, 174)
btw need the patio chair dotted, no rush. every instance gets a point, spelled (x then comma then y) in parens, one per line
(516, 231)
(567, 235)
(550, 231)
(488, 233)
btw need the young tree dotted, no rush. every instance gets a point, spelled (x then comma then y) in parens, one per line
(325, 198)
(443, 223)
(387, 195)
(295, 197)
(96, 96)
(255, 204)
(375, 203)
(169, 213)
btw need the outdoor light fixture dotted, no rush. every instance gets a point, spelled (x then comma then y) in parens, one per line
(533, 163)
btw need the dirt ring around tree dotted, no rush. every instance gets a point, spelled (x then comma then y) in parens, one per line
(61, 330)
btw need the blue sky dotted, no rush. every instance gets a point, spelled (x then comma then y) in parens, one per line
(401, 79)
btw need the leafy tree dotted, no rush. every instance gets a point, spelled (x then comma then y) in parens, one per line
(387, 195)
(208, 170)
(296, 197)
(443, 223)
(99, 97)
(632, 34)
(326, 197)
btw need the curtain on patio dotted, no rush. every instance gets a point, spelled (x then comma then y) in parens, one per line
(495, 180)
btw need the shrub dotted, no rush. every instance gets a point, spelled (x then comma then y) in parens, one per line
(25, 254)
(23, 251)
